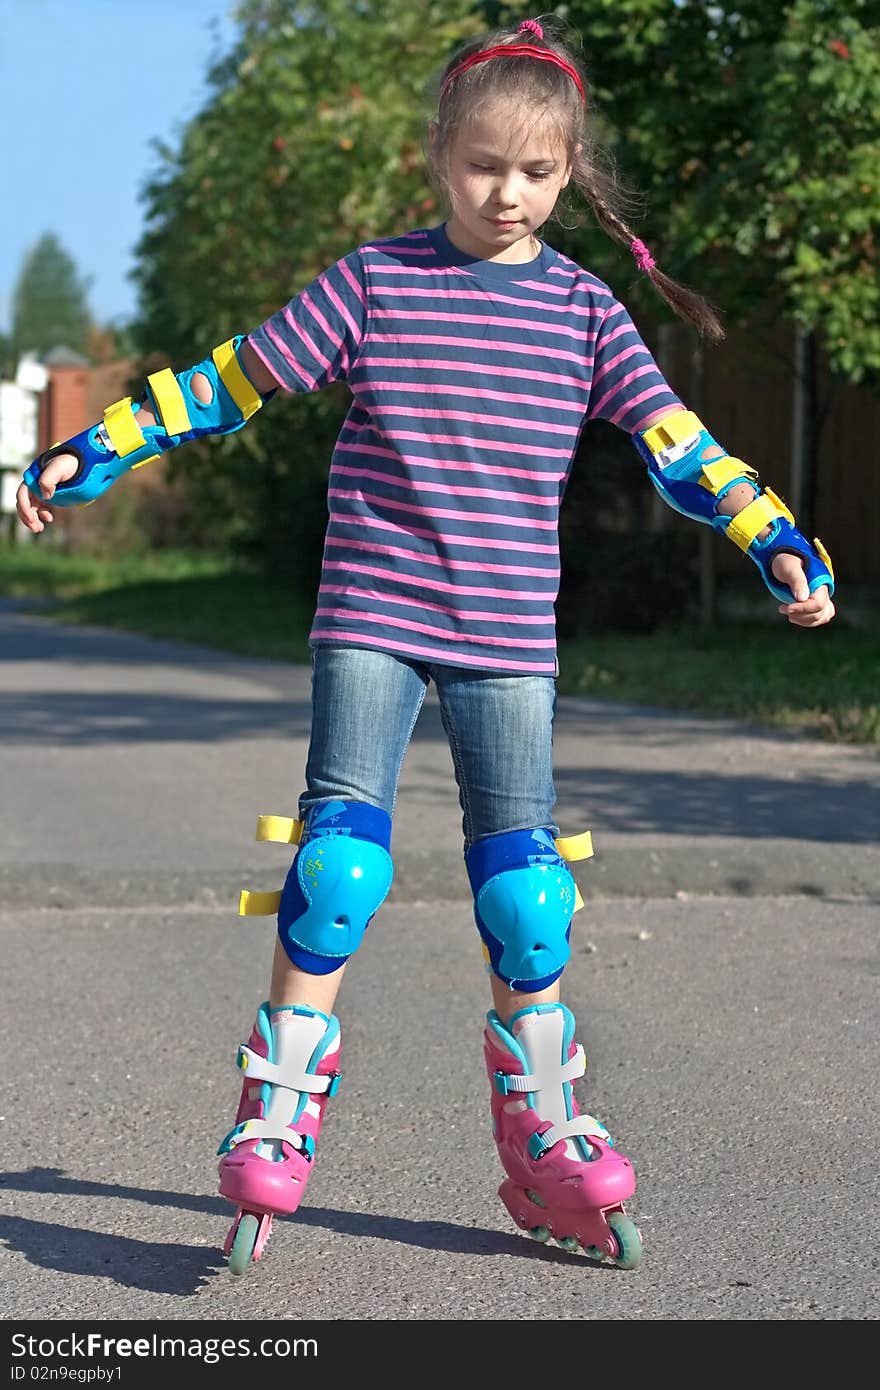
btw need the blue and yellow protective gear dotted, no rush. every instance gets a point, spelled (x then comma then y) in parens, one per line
(692, 473)
(119, 442)
(524, 899)
(338, 880)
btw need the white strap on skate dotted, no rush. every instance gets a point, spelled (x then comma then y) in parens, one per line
(259, 1069)
(266, 1129)
(573, 1070)
(582, 1126)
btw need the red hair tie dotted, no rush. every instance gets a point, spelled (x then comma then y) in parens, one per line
(531, 26)
(516, 50)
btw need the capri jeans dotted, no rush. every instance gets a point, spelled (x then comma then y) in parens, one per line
(500, 729)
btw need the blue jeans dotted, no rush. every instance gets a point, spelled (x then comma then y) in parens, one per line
(500, 730)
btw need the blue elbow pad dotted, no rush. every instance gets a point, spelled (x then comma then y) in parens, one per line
(692, 473)
(107, 450)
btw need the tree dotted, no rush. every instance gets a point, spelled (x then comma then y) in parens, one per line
(49, 304)
(750, 131)
(310, 144)
(7, 357)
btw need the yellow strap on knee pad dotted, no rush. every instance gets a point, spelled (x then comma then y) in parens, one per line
(258, 904)
(279, 830)
(571, 848)
(766, 507)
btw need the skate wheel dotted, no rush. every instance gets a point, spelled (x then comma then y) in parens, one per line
(539, 1233)
(627, 1239)
(569, 1243)
(241, 1251)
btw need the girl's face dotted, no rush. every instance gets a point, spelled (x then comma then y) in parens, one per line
(504, 178)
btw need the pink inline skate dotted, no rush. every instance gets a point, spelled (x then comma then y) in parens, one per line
(290, 1063)
(564, 1179)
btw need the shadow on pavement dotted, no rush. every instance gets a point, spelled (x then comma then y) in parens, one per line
(162, 1267)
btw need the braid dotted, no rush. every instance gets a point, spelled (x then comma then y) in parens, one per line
(685, 303)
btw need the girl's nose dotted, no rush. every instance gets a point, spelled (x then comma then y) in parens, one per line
(506, 193)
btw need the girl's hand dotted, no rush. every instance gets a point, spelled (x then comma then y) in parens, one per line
(808, 610)
(35, 515)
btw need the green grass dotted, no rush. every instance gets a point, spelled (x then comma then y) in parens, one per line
(175, 595)
(825, 682)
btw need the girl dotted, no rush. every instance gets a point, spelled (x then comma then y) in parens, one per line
(474, 352)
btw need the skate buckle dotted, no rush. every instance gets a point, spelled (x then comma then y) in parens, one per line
(333, 1080)
(538, 1146)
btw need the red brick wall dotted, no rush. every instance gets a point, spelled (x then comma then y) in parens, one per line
(64, 405)
(77, 397)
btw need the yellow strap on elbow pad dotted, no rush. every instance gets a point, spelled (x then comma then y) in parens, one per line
(823, 555)
(123, 430)
(717, 475)
(766, 507)
(672, 430)
(242, 391)
(169, 399)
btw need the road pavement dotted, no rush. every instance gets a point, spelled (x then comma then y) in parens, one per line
(724, 975)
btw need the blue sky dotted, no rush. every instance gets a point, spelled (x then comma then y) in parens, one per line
(86, 86)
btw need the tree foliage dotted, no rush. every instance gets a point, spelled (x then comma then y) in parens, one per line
(752, 130)
(310, 144)
(748, 130)
(49, 302)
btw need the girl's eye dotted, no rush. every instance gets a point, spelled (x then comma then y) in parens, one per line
(537, 174)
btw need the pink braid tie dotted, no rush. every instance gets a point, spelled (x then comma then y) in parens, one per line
(531, 26)
(644, 259)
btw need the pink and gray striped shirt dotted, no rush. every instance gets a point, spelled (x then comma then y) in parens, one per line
(471, 381)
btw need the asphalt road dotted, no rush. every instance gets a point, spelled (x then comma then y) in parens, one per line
(724, 973)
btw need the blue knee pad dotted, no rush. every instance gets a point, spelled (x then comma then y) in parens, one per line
(524, 899)
(340, 877)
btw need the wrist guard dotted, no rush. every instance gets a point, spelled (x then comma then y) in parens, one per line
(692, 473)
(119, 442)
